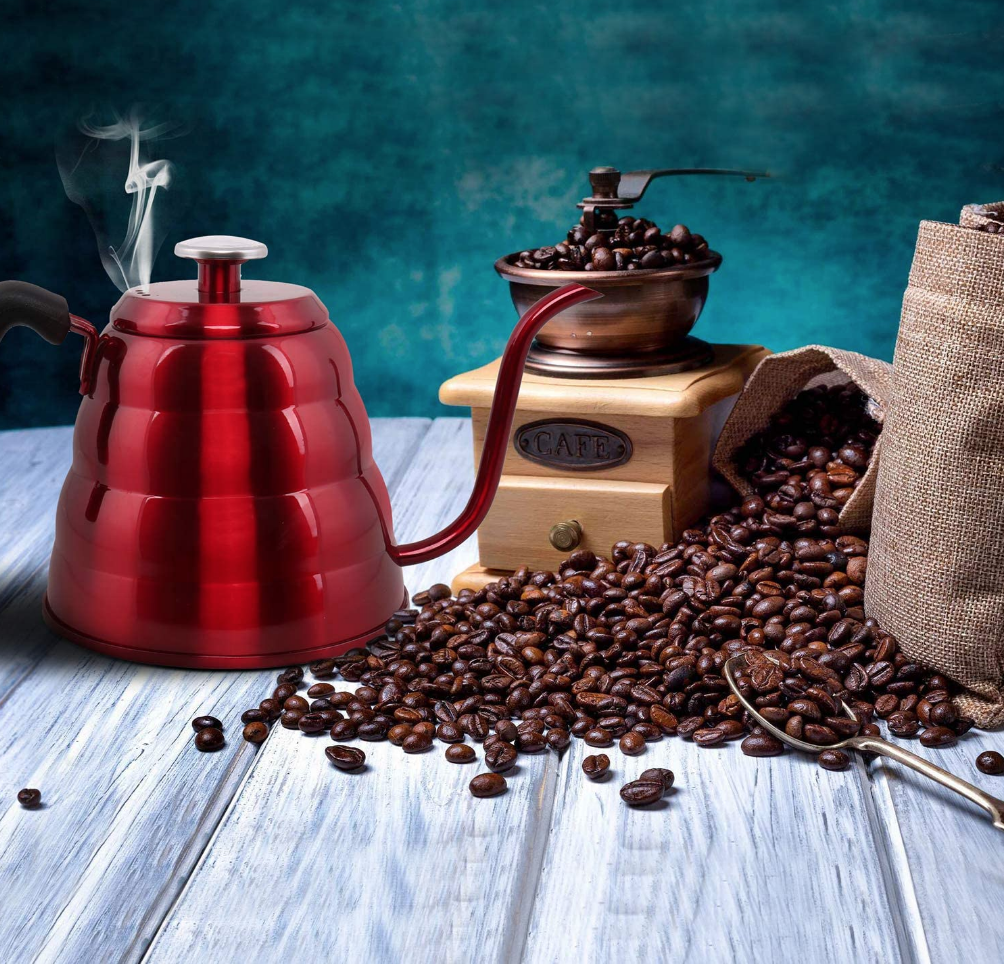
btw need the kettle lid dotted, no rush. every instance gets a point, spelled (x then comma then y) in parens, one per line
(220, 304)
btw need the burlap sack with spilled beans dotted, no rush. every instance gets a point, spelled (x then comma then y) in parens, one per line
(775, 382)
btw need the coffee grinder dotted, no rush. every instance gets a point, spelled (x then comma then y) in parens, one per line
(619, 408)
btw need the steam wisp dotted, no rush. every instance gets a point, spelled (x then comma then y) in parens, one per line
(88, 167)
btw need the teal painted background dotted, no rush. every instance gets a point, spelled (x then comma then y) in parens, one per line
(388, 152)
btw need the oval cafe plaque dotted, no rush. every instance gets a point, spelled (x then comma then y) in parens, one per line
(575, 444)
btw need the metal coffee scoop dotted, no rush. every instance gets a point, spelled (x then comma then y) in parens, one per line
(878, 746)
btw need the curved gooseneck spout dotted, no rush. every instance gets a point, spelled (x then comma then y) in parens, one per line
(499, 423)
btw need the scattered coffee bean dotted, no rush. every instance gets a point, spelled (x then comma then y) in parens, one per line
(487, 784)
(312, 723)
(558, 739)
(292, 675)
(938, 737)
(416, 742)
(255, 732)
(990, 763)
(29, 798)
(598, 738)
(253, 714)
(460, 754)
(206, 721)
(762, 745)
(209, 739)
(833, 759)
(290, 719)
(345, 757)
(643, 792)
(632, 743)
(663, 775)
(595, 766)
(501, 756)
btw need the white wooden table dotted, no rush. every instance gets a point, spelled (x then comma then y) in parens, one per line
(147, 850)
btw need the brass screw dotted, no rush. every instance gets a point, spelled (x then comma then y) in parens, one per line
(565, 535)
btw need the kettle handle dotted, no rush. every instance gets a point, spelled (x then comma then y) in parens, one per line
(46, 313)
(507, 385)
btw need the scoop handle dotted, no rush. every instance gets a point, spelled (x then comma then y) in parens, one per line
(879, 746)
(42, 311)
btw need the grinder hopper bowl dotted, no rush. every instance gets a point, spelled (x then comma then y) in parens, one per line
(620, 408)
(223, 508)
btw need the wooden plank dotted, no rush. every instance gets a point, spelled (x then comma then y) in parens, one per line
(397, 864)
(948, 852)
(129, 803)
(748, 860)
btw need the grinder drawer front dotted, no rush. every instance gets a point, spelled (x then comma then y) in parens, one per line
(517, 529)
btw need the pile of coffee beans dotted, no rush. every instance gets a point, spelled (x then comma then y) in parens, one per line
(635, 243)
(631, 648)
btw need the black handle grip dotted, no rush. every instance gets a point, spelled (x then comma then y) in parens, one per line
(22, 303)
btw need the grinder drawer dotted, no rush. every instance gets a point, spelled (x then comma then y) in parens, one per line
(518, 527)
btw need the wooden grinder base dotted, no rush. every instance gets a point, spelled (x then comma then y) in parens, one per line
(659, 486)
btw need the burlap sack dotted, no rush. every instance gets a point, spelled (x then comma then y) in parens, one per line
(936, 564)
(778, 379)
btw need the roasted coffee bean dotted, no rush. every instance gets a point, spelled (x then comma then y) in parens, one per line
(323, 669)
(343, 730)
(558, 739)
(487, 784)
(460, 753)
(209, 739)
(990, 762)
(416, 742)
(819, 734)
(505, 729)
(595, 766)
(833, 759)
(291, 719)
(321, 690)
(501, 756)
(312, 723)
(255, 732)
(271, 708)
(938, 737)
(663, 775)
(709, 737)
(530, 741)
(632, 743)
(206, 721)
(292, 675)
(282, 692)
(762, 745)
(296, 702)
(372, 730)
(253, 714)
(29, 798)
(451, 732)
(397, 733)
(345, 757)
(903, 724)
(642, 792)
(598, 738)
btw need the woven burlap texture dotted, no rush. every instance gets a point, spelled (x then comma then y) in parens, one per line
(778, 379)
(936, 562)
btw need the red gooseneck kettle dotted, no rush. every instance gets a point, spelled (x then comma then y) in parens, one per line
(223, 509)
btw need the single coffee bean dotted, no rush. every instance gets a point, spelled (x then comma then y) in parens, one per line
(642, 792)
(398, 733)
(292, 675)
(29, 798)
(558, 739)
(373, 730)
(282, 692)
(595, 766)
(343, 730)
(313, 723)
(938, 737)
(709, 737)
(426, 728)
(487, 784)
(345, 757)
(530, 742)
(255, 732)
(598, 738)
(663, 775)
(296, 702)
(323, 669)
(451, 732)
(903, 724)
(505, 729)
(253, 714)
(321, 690)
(209, 739)
(762, 746)
(206, 721)
(291, 719)
(833, 759)
(990, 762)
(501, 756)
(271, 708)
(632, 743)
(416, 742)
(460, 753)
